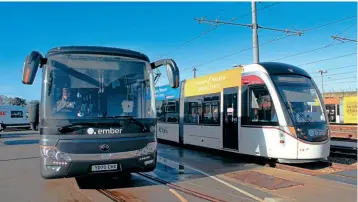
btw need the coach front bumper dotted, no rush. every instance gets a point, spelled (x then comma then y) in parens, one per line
(74, 165)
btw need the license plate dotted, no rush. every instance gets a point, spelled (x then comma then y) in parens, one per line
(96, 168)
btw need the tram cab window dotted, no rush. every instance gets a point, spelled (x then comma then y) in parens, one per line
(168, 111)
(202, 110)
(260, 108)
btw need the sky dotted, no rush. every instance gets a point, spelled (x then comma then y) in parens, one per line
(157, 28)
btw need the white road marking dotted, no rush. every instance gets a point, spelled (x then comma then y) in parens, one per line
(221, 181)
(182, 199)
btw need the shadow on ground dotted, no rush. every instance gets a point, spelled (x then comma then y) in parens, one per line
(112, 181)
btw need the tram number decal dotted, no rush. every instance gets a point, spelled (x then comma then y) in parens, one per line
(163, 130)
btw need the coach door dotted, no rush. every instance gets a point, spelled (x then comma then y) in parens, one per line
(230, 119)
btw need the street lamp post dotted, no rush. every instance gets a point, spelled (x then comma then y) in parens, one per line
(322, 72)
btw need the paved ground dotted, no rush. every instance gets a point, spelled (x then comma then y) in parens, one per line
(224, 178)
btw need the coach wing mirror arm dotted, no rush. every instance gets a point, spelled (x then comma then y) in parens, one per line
(172, 70)
(32, 62)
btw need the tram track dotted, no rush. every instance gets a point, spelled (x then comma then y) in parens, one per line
(118, 196)
(110, 195)
(331, 166)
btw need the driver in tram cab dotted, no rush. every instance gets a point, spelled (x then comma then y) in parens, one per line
(66, 101)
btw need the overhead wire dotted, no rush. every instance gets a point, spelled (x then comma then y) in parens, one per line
(336, 74)
(342, 67)
(237, 52)
(341, 82)
(313, 62)
(320, 48)
(211, 29)
(330, 23)
(310, 29)
(343, 78)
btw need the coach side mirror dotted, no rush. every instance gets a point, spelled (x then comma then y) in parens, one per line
(172, 71)
(31, 64)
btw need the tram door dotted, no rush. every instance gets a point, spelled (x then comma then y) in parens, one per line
(230, 119)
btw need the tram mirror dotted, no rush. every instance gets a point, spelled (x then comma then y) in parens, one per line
(31, 64)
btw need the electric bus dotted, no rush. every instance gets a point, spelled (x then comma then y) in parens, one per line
(272, 110)
(97, 110)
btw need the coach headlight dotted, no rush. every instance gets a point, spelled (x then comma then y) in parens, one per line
(54, 154)
(149, 149)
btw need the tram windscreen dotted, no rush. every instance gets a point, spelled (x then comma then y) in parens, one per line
(300, 98)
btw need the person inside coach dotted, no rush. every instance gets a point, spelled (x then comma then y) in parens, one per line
(66, 103)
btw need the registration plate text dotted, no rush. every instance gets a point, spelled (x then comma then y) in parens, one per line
(96, 168)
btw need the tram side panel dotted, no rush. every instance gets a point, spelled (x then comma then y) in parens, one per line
(203, 111)
(203, 136)
(167, 131)
(202, 121)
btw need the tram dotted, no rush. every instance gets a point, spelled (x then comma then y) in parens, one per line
(269, 109)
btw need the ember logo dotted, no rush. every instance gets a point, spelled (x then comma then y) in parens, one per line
(99, 131)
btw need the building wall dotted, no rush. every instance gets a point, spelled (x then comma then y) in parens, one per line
(340, 94)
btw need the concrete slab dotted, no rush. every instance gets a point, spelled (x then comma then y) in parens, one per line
(348, 173)
(340, 179)
(314, 188)
(213, 165)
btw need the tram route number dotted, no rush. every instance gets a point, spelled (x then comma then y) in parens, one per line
(96, 168)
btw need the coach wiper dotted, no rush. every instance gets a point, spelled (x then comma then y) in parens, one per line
(133, 120)
(78, 126)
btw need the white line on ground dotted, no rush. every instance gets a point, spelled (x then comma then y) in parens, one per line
(225, 183)
(182, 199)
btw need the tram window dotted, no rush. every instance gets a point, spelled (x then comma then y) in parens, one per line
(203, 110)
(338, 110)
(261, 108)
(168, 111)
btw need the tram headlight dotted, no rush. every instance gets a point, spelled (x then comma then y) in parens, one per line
(149, 149)
(54, 154)
(301, 133)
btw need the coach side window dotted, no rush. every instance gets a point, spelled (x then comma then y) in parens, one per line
(261, 108)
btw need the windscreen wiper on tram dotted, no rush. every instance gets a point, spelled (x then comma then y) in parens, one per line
(134, 121)
(78, 126)
(297, 112)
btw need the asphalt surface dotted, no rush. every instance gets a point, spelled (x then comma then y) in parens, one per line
(181, 175)
(20, 178)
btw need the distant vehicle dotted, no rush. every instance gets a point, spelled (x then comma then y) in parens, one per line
(13, 117)
(97, 110)
(271, 110)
